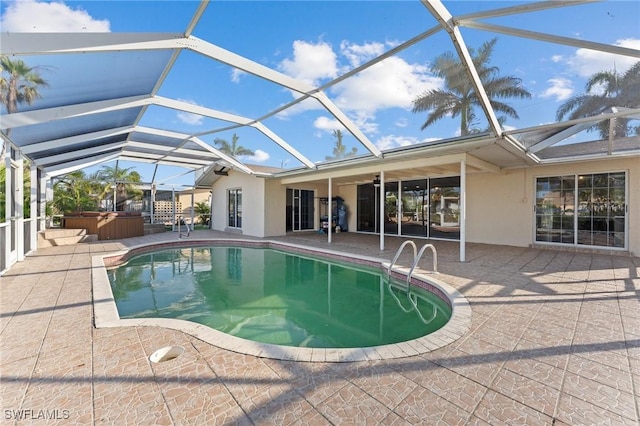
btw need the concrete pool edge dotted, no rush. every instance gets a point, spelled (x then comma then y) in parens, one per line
(106, 313)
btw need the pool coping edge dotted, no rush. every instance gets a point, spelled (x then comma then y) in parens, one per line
(106, 313)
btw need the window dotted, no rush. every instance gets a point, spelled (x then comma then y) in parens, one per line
(235, 208)
(299, 210)
(586, 209)
(428, 207)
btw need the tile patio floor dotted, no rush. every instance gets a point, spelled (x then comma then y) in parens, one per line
(555, 339)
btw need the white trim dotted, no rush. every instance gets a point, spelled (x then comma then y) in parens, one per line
(575, 245)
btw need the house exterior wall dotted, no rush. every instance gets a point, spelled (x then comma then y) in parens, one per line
(275, 209)
(253, 203)
(500, 207)
(349, 194)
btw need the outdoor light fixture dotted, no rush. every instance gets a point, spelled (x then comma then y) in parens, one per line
(376, 181)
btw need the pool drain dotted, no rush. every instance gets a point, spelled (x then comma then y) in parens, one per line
(166, 354)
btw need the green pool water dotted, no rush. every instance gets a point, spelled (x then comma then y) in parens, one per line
(276, 297)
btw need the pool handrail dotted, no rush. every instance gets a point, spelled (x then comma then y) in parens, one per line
(395, 258)
(417, 259)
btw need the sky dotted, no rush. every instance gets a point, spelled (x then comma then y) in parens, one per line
(317, 41)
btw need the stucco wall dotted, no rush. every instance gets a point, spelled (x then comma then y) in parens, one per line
(349, 194)
(500, 206)
(253, 204)
(275, 209)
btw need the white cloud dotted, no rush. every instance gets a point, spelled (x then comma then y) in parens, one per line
(259, 156)
(327, 124)
(309, 104)
(35, 16)
(391, 83)
(586, 62)
(189, 118)
(365, 122)
(402, 122)
(236, 74)
(357, 54)
(559, 88)
(311, 62)
(556, 58)
(387, 84)
(393, 141)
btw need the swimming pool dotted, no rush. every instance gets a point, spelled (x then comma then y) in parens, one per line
(277, 297)
(293, 300)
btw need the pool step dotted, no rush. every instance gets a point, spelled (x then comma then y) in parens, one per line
(64, 237)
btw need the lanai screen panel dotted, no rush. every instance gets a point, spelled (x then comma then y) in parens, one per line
(42, 132)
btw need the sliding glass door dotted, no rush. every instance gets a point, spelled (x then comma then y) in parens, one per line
(414, 204)
(419, 207)
(444, 217)
(300, 210)
(586, 209)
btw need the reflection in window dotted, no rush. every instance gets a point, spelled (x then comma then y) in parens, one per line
(588, 209)
(420, 207)
(444, 217)
(234, 264)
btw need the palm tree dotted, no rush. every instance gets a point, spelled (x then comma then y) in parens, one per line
(203, 210)
(19, 84)
(459, 97)
(233, 149)
(340, 150)
(606, 90)
(126, 181)
(72, 192)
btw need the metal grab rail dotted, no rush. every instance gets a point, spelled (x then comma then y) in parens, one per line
(180, 234)
(395, 258)
(419, 256)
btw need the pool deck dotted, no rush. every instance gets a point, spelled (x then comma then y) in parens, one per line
(554, 339)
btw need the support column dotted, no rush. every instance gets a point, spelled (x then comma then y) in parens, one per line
(173, 209)
(463, 209)
(152, 200)
(19, 203)
(381, 201)
(44, 183)
(33, 208)
(211, 209)
(9, 224)
(330, 213)
(193, 215)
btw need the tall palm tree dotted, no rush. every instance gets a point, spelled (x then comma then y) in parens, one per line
(606, 90)
(19, 83)
(233, 149)
(459, 97)
(126, 181)
(340, 150)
